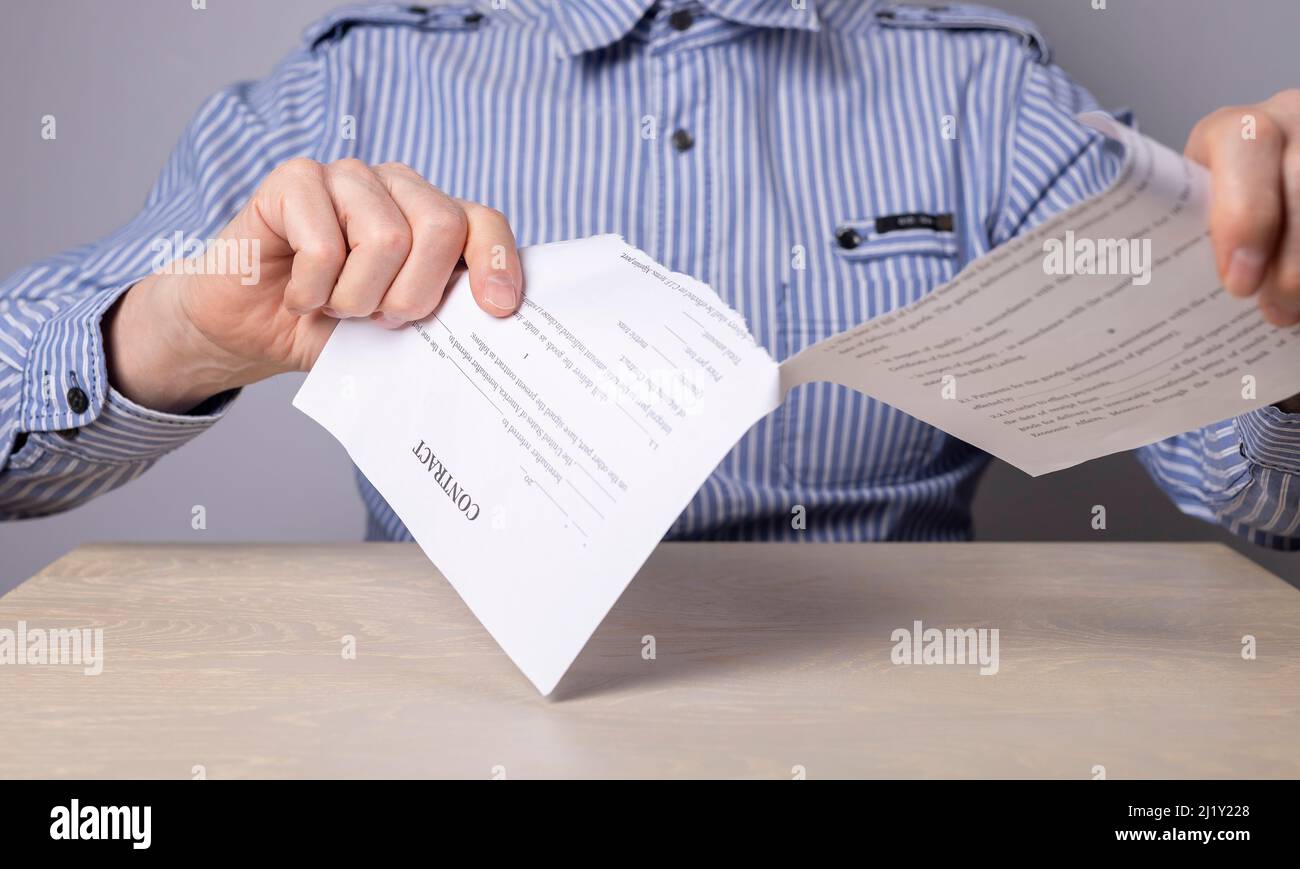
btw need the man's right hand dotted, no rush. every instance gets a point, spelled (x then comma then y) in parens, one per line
(335, 241)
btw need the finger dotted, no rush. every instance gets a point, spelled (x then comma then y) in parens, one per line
(1246, 212)
(1282, 283)
(296, 206)
(378, 237)
(438, 230)
(495, 276)
(1280, 298)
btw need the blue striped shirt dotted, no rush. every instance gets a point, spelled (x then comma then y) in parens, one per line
(735, 140)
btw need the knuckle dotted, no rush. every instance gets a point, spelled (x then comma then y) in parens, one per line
(392, 240)
(351, 307)
(297, 296)
(300, 168)
(1287, 99)
(396, 168)
(350, 165)
(1221, 117)
(326, 251)
(1224, 126)
(445, 222)
(406, 309)
(1267, 130)
(493, 216)
(1232, 114)
(1247, 218)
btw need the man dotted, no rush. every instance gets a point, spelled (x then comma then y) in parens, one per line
(752, 143)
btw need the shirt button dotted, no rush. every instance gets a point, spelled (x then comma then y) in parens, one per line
(473, 18)
(682, 140)
(68, 434)
(682, 19)
(848, 237)
(77, 401)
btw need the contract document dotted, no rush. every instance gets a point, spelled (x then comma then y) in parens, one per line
(539, 459)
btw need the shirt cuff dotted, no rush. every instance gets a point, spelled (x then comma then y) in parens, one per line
(1271, 438)
(126, 432)
(65, 383)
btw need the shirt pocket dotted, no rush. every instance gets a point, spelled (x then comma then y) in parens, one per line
(832, 436)
(864, 241)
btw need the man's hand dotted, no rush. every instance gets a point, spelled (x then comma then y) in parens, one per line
(1254, 157)
(335, 241)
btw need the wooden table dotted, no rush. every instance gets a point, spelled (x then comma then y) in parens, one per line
(769, 659)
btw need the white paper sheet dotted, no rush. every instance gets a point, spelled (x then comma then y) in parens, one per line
(1047, 371)
(539, 459)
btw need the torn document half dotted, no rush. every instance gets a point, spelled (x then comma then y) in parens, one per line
(539, 459)
(1104, 329)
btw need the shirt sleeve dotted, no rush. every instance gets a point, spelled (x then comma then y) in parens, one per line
(65, 434)
(1240, 473)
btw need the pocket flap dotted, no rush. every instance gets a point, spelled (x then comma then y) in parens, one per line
(862, 239)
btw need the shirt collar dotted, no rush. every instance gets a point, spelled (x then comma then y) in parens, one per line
(586, 25)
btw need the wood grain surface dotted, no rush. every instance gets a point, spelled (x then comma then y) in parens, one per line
(769, 659)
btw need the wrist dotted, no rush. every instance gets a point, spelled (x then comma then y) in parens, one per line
(155, 356)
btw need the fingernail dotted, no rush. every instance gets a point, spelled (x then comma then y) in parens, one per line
(501, 292)
(391, 322)
(330, 312)
(1245, 271)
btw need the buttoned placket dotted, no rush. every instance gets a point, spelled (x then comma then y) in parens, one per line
(683, 93)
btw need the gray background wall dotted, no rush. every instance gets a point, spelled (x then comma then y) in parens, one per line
(123, 78)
